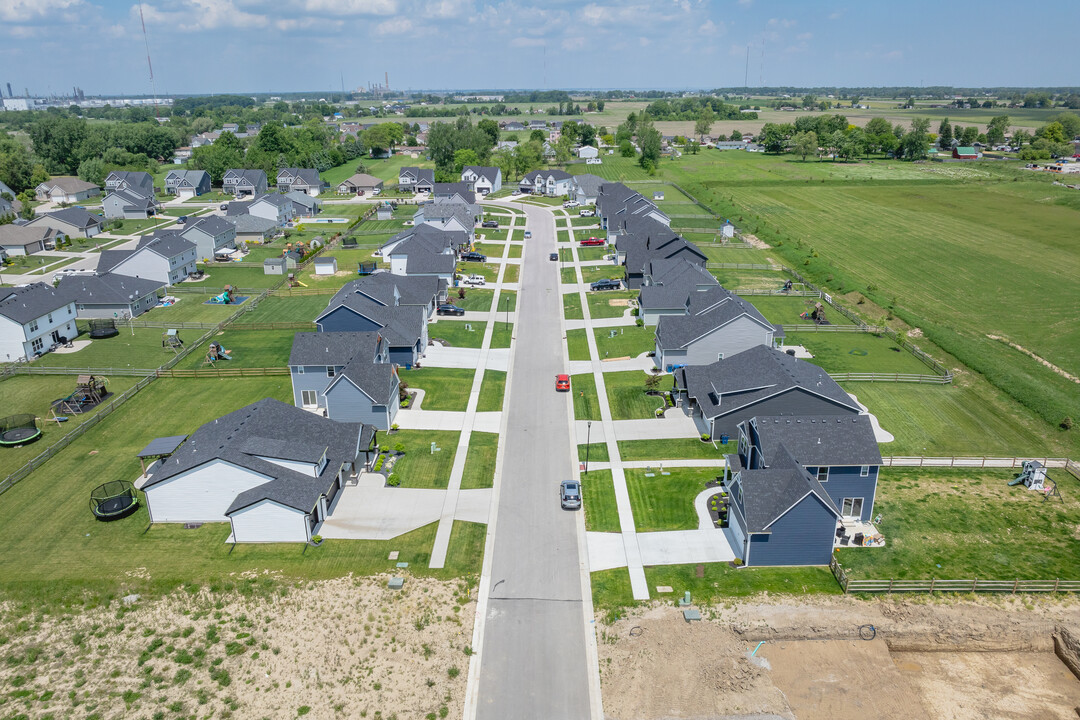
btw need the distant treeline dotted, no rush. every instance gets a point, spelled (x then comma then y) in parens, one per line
(941, 92)
(691, 108)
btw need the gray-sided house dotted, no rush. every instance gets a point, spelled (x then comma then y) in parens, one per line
(270, 469)
(187, 183)
(482, 180)
(458, 192)
(164, 257)
(726, 329)
(110, 295)
(758, 381)
(26, 239)
(129, 204)
(304, 205)
(648, 241)
(676, 286)
(362, 182)
(241, 182)
(416, 179)
(66, 189)
(32, 318)
(141, 183)
(345, 376)
(586, 188)
(211, 234)
(796, 482)
(424, 254)
(553, 183)
(305, 180)
(252, 228)
(72, 222)
(456, 239)
(272, 206)
(448, 215)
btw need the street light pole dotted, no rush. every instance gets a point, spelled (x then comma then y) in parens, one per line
(588, 439)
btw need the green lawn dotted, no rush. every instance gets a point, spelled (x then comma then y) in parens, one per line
(598, 499)
(492, 389)
(247, 348)
(419, 467)
(386, 169)
(840, 352)
(593, 452)
(609, 303)
(586, 405)
(627, 398)
(218, 276)
(672, 449)
(444, 388)
(572, 306)
(566, 254)
(287, 308)
(141, 350)
(568, 275)
(666, 502)
(502, 334)
(629, 341)
(459, 334)
(492, 251)
(193, 307)
(602, 272)
(785, 310)
(512, 274)
(577, 344)
(515, 251)
(489, 271)
(25, 263)
(480, 461)
(212, 197)
(475, 298)
(586, 254)
(957, 524)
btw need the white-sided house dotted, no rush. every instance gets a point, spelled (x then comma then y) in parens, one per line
(588, 151)
(270, 469)
(187, 183)
(72, 222)
(726, 329)
(32, 318)
(553, 183)
(482, 180)
(164, 257)
(110, 295)
(65, 189)
(272, 206)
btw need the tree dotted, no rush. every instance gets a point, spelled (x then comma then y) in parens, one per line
(805, 143)
(93, 170)
(878, 126)
(969, 136)
(703, 124)
(1051, 132)
(463, 157)
(1020, 137)
(15, 165)
(587, 135)
(626, 149)
(736, 136)
(600, 105)
(490, 127)
(916, 144)
(528, 156)
(650, 142)
(538, 136)
(996, 129)
(945, 134)
(771, 138)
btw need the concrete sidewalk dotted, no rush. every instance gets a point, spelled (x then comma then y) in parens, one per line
(465, 358)
(413, 419)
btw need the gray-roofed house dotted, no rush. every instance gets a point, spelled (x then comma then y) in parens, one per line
(425, 254)
(482, 179)
(272, 206)
(345, 376)
(304, 205)
(586, 188)
(360, 182)
(758, 381)
(456, 239)
(129, 204)
(725, 329)
(72, 222)
(671, 286)
(458, 191)
(32, 318)
(164, 257)
(305, 180)
(649, 242)
(241, 182)
(66, 189)
(553, 183)
(187, 183)
(26, 239)
(141, 183)
(211, 234)
(270, 469)
(252, 228)
(110, 295)
(448, 215)
(416, 179)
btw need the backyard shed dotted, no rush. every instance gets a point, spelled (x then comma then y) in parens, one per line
(325, 265)
(274, 266)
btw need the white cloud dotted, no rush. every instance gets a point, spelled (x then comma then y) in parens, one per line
(199, 15)
(644, 41)
(527, 42)
(781, 22)
(710, 28)
(804, 36)
(446, 9)
(394, 26)
(836, 15)
(352, 7)
(21, 11)
(746, 3)
(573, 43)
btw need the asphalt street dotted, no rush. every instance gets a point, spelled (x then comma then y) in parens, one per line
(533, 661)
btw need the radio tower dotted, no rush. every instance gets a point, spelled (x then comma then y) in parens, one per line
(146, 42)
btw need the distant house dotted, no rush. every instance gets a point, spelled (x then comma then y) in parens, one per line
(585, 188)
(460, 191)
(272, 206)
(273, 471)
(588, 151)
(252, 228)
(416, 179)
(32, 318)
(305, 180)
(65, 189)
(450, 215)
(482, 180)
(241, 182)
(438, 238)
(110, 295)
(758, 381)
(140, 182)
(72, 222)
(187, 183)
(345, 376)
(164, 257)
(304, 205)
(211, 234)
(18, 240)
(537, 125)
(361, 182)
(797, 483)
(553, 183)
(726, 329)
(129, 204)
(514, 126)
(965, 153)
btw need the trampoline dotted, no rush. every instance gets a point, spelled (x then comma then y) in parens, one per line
(18, 430)
(103, 328)
(114, 499)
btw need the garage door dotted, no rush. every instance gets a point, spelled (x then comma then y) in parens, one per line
(334, 490)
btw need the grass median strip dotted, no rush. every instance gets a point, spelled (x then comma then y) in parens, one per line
(577, 344)
(480, 461)
(598, 498)
(673, 449)
(572, 307)
(586, 405)
(492, 390)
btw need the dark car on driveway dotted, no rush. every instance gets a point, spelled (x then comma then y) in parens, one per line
(606, 285)
(570, 494)
(473, 257)
(490, 224)
(450, 310)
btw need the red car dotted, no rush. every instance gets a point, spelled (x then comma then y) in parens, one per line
(592, 241)
(562, 383)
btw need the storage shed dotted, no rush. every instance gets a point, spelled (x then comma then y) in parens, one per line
(325, 265)
(274, 266)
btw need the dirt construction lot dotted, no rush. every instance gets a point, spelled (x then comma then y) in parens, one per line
(820, 660)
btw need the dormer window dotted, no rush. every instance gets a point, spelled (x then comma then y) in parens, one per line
(330, 371)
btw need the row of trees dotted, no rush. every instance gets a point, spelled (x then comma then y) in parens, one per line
(692, 108)
(849, 141)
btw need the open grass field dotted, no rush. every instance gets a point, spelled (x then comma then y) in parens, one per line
(126, 350)
(609, 303)
(218, 276)
(192, 307)
(384, 169)
(598, 500)
(586, 405)
(614, 167)
(480, 461)
(459, 334)
(247, 348)
(717, 253)
(629, 341)
(626, 395)
(666, 502)
(956, 524)
(577, 344)
(492, 390)
(286, 308)
(840, 352)
(937, 244)
(419, 467)
(444, 388)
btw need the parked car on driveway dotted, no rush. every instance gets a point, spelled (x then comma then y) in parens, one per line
(592, 241)
(490, 224)
(606, 285)
(570, 494)
(181, 220)
(571, 204)
(450, 310)
(472, 256)
(562, 383)
(475, 280)
(223, 206)
(586, 212)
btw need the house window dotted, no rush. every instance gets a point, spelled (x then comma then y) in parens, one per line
(329, 371)
(852, 507)
(50, 318)
(37, 344)
(823, 474)
(719, 356)
(300, 370)
(864, 471)
(33, 326)
(309, 398)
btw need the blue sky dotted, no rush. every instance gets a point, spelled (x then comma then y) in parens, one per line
(201, 46)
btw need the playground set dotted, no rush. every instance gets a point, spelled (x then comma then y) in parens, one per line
(816, 314)
(226, 298)
(217, 352)
(90, 391)
(293, 282)
(170, 340)
(1033, 476)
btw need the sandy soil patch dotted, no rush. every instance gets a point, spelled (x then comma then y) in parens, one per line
(622, 302)
(990, 658)
(1042, 361)
(755, 241)
(339, 648)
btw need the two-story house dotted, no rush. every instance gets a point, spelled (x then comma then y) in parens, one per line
(211, 234)
(416, 179)
(187, 183)
(345, 376)
(482, 180)
(242, 182)
(141, 183)
(431, 255)
(456, 192)
(165, 257)
(728, 328)
(304, 205)
(110, 295)
(553, 183)
(586, 188)
(32, 319)
(305, 180)
(129, 204)
(272, 206)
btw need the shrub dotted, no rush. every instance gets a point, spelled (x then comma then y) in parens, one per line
(394, 426)
(316, 539)
(639, 322)
(706, 437)
(1067, 423)
(399, 448)
(737, 562)
(659, 412)
(393, 480)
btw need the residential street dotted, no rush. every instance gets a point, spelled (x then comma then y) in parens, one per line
(534, 659)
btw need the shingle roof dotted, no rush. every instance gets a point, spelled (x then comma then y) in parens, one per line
(213, 225)
(488, 173)
(454, 238)
(769, 493)
(333, 348)
(69, 184)
(753, 375)
(816, 440)
(376, 380)
(421, 174)
(306, 176)
(274, 199)
(132, 199)
(299, 197)
(24, 304)
(237, 208)
(168, 243)
(108, 259)
(428, 263)
(21, 235)
(254, 177)
(142, 182)
(455, 188)
(365, 180)
(193, 177)
(74, 216)
(553, 174)
(107, 288)
(250, 223)
(678, 331)
(589, 184)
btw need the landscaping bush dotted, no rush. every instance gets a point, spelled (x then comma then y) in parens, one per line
(399, 448)
(393, 480)
(706, 437)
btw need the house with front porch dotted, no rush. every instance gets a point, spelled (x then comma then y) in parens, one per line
(416, 179)
(187, 183)
(482, 180)
(16, 240)
(32, 319)
(552, 183)
(586, 188)
(305, 180)
(361, 183)
(141, 183)
(244, 182)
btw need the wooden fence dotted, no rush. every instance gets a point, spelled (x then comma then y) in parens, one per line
(974, 585)
(222, 372)
(813, 327)
(745, 266)
(890, 377)
(977, 462)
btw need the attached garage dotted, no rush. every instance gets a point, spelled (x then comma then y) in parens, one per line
(201, 494)
(270, 521)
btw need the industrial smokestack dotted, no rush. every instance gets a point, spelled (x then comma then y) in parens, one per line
(387, 81)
